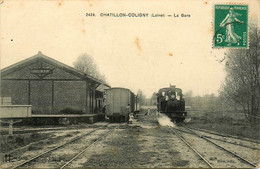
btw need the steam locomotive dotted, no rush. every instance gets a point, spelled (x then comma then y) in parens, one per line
(171, 103)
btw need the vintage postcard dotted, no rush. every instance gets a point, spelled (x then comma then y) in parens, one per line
(129, 84)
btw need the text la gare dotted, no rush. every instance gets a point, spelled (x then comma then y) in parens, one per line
(182, 15)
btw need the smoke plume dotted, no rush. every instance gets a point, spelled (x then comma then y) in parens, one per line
(163, 120)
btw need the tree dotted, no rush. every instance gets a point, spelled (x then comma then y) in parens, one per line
(154, 96)
(153, 99)
(141, 97)
(241, 86)
(85, 63)
(188, 98)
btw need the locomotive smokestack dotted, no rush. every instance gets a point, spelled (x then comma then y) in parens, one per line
(172, 85)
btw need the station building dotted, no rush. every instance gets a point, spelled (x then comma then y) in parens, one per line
(50, 86)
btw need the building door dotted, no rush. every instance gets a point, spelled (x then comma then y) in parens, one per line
(41, 96)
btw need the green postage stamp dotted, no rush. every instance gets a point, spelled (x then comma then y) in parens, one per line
(230, 26)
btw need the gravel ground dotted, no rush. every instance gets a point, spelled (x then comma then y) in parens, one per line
(249, 150)
(251, 155)
(216, 157)
(55, 138)
(31, 150)
(142, 144)
(58, 158)
(146, 143)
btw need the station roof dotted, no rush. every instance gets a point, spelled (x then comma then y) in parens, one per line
(40, 57)
(119, 88)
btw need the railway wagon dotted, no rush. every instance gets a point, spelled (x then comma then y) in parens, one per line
(120, 102)
(170, 102)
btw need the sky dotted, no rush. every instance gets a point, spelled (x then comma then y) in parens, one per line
(146, 53)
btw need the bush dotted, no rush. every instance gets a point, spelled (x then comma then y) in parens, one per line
(9, 143)
(19, 140)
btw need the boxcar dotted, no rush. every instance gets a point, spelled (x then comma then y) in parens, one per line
(120, 102)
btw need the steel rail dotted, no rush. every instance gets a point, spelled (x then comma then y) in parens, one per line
(192, 148)
(241, 145)
(226, 135)
(233, 153)
(81, 152)
(253, 148)
(5, 131)
(55, 148)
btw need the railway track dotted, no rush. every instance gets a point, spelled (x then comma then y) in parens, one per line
(228, 136)
(222, 140)
(45, 154)
(5, 132)
(191, 147)
(229, 151)
(88, 146)
(206, 154)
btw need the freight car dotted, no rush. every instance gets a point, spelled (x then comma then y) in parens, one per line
(120, 102)
(170, 102)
